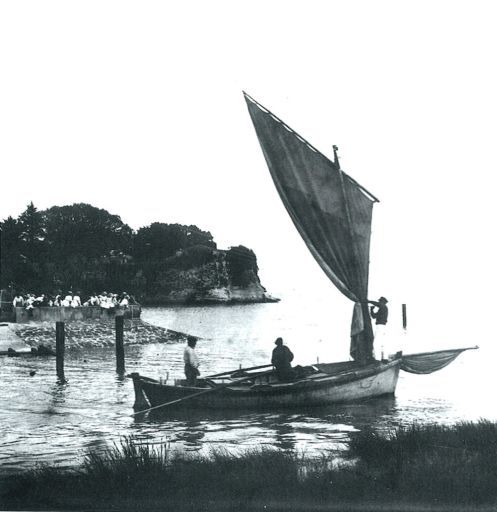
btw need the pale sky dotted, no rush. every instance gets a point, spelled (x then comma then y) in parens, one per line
(137, 107)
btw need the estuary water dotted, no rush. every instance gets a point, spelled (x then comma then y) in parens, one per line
(43, 421)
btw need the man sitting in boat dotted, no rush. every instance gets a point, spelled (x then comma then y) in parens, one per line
(191, 361)
(281, 360)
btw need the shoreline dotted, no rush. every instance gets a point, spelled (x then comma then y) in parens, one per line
(418, 468)
(208, 302)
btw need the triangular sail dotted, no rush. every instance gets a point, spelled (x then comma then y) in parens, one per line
(329, 209)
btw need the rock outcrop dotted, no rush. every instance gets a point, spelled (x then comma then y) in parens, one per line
(224, 277)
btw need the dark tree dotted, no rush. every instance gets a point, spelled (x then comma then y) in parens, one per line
(84, 245)
(11, 258)
(24, 248)
(32, 227)
(159, 241)
(64, 247)
(82, 229)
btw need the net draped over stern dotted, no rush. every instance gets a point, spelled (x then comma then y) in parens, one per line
(429, 362)
(330, 210)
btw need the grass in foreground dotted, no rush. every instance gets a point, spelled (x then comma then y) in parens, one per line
(419, 464)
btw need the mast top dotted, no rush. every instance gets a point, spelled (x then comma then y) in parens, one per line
(335, 152)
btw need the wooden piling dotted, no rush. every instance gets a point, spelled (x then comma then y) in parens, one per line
(404, 316)
(119, 344)
(60, 340)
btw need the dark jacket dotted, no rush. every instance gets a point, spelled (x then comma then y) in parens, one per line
(282, 357)
(381, 315)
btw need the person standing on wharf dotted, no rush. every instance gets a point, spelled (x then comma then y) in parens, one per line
(191, 361)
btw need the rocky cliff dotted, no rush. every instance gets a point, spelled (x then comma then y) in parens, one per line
(218, 277)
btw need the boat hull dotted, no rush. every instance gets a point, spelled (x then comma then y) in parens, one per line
(320, 389)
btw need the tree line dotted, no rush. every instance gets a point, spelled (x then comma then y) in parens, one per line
(81, 247)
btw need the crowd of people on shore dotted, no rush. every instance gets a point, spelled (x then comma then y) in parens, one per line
(103, 300)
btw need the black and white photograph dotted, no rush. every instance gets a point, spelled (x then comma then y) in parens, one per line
(247, 255)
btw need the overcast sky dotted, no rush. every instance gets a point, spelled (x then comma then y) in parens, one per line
(137, 107)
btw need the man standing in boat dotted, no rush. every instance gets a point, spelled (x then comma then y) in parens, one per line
(281, 360)
(379, 311)
(191, 361)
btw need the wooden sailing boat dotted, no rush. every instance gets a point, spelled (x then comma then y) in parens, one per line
(332, 213)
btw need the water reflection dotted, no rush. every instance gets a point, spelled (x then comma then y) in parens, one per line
(120, 379)
(312, 429)
(97, 443)
(284, 437)
(57, 393)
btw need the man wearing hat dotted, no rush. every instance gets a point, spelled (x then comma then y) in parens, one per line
(379, 311)
(281, 360)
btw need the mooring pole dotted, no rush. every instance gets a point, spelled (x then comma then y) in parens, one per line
(60, 339)
(120, 344)
(404, 316)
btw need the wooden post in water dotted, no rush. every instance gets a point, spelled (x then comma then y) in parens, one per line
(404, 316)
(60, 339)
(119, 343)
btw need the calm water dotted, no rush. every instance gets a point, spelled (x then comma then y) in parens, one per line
(43, 421)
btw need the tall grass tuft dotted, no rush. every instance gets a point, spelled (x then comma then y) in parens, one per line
(447, 463)
(157, 471)
(130, 466)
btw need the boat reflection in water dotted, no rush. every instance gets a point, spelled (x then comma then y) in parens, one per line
(313, 429)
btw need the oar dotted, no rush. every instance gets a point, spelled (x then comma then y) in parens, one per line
(210, 390)
(238, 370)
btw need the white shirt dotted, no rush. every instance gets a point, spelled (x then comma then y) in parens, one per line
(190, 357)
